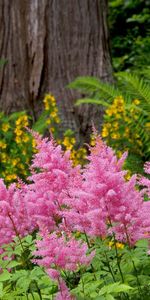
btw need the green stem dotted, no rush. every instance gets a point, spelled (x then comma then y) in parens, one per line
(135, 269)
(118, 260)
(109, 266)
(89, 246)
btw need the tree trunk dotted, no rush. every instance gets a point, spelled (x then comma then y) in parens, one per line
(47, 44)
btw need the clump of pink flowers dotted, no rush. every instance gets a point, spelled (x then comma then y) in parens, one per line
(61, 251)
(61, 199)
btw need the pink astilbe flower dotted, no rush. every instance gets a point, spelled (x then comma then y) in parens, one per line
(13, 214)
(145, 211)
(145, 181)
(55, 177)
(64, 293)
(61, 253)
(106, 199)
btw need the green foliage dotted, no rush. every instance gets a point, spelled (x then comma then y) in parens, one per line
(129, 23)
(117, 272)
(20, 278)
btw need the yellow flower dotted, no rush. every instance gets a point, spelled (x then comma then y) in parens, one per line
(105, 132)
(48, 121)
(4, 157)
(25, 138)
(57, 120)
(22, 121)
(18, 140)
(119, 245)
(53, 114)
(18, 132)
(115, 244)
(21, 166)
(119, 154)
(136, 101)
(128, 175)
(147, 125)
(115, 136)
(14, 162)
(49, 101)
(52, 129)
(34, 143)
(69, 142)
(119, 100)
(3, 145)
(116, 125)
(10, 177)
(118, 116)
(5, 127)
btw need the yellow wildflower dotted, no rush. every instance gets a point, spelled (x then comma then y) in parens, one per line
(48, 121)
(3, 145)
(49, 101)
(18, 132)
(69, 142)
(22, 121)
(25, 138)
(34, 143)
(115, 136)
(18, 140)
(4, 157)
(128, 175)
(136, 101)
(147, 125)
(10, 177)
(105, 132)
(57, 120)
(118, 245)
(14, 162)
(5, 127)
(116, 125)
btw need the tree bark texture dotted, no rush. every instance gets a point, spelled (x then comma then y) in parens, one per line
(47, 44)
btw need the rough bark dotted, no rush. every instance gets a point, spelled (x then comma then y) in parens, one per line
(48, 43)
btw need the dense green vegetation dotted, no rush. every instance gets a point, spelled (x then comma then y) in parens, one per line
(129, 22)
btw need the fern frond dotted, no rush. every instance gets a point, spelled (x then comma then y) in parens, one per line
(91, 101)
(94, 85)
(136, 86)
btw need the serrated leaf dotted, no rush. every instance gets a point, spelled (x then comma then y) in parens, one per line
(116, 287)
(5, 276)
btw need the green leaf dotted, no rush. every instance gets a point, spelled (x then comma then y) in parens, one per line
(5, 276)
(40, 125)
(92, 85)
(13, 264)
(116, 287)
(91, 101)
(109, 297)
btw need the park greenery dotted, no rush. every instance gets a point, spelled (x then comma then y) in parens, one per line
(74, 221)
